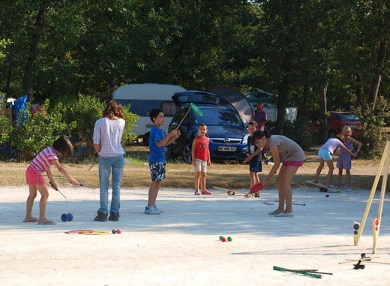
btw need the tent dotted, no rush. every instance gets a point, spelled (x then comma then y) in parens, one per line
(237, 99)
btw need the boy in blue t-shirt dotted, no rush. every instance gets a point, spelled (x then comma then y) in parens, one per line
(157, 143)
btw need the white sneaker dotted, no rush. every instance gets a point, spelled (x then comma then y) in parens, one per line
(151, 210)
(155, 207)
(285, 214)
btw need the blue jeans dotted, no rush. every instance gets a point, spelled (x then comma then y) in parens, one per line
(106, 164)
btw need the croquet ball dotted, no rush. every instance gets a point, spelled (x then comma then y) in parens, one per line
(113, 231)
(118, 231)
(230, 239)
(327, 196)
(64, 217)
(220, 238)
(70, 217)
(223, 239)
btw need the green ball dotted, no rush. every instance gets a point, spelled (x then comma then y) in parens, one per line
(230, 239)
(220, 238)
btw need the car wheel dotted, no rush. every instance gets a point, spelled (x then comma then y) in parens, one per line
(186, 153)
(332, 134)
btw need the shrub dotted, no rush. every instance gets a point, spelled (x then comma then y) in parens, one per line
(85, 110)
(38, 131)
(295, 130)
(372, 136)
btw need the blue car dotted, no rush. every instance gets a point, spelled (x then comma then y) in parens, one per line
(226, 130)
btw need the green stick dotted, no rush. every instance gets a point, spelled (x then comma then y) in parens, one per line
(319, 276)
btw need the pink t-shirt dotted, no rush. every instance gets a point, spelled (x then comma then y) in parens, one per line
(44, 159)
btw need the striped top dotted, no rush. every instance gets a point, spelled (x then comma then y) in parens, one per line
(108, 134)
(44, 159)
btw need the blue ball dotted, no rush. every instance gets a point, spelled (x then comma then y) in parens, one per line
(64, 217)
(70, 217)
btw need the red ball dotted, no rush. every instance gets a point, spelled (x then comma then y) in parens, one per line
(223, 239)
(118, 231)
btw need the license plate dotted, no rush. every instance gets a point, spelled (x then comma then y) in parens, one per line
(227, 149)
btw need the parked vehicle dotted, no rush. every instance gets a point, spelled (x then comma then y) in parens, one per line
(226, 129)
(336, 121)
(144, 97)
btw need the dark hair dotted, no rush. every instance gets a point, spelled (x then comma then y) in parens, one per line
(113, 109)
(258, 134)
(202, 124)
(154, 113)
(63, 146)
(341, 138)
(254, 123)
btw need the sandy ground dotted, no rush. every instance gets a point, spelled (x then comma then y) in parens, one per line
(182, 246)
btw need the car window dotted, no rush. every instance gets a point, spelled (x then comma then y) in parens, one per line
(218, 116)
(347, 117)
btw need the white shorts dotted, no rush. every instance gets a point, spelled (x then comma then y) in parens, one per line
(202, 166)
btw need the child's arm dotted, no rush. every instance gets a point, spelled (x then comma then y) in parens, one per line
(275, 153)
(356, 143)
(65, 173)
(257, 152)
(193, 148)
(348, 151)
(209, 159)
(169, 138)
(51, 179)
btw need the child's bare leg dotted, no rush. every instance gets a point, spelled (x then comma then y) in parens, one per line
(318, 172)
(283, 182)
(153, 191)
(340, 177)
(330, 172)
(43, 202)
(203, 181)
(348, 177)
(29, 204)
(255, 178)
(196, 181)
(251, 178)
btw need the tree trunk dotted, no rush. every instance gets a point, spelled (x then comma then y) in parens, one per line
(323, 132)
(38, 28)
(382, 49)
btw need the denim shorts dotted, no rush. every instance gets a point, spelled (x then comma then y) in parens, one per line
(157, 170)
(255, 166)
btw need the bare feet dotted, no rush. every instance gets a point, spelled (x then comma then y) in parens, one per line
(46, 222)
(30, 219)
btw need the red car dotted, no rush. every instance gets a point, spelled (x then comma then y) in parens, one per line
(336, 122)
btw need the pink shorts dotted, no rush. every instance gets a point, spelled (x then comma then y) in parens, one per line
(293, 163)
(34, 178)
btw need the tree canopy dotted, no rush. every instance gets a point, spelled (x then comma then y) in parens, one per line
(318, 55)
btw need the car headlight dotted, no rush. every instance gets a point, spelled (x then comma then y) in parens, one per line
(245, 140)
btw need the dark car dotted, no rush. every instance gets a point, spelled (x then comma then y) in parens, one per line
(336, 122)
(226, 130)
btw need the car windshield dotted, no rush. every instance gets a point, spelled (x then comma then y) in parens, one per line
(218, 116)
(347, 117)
